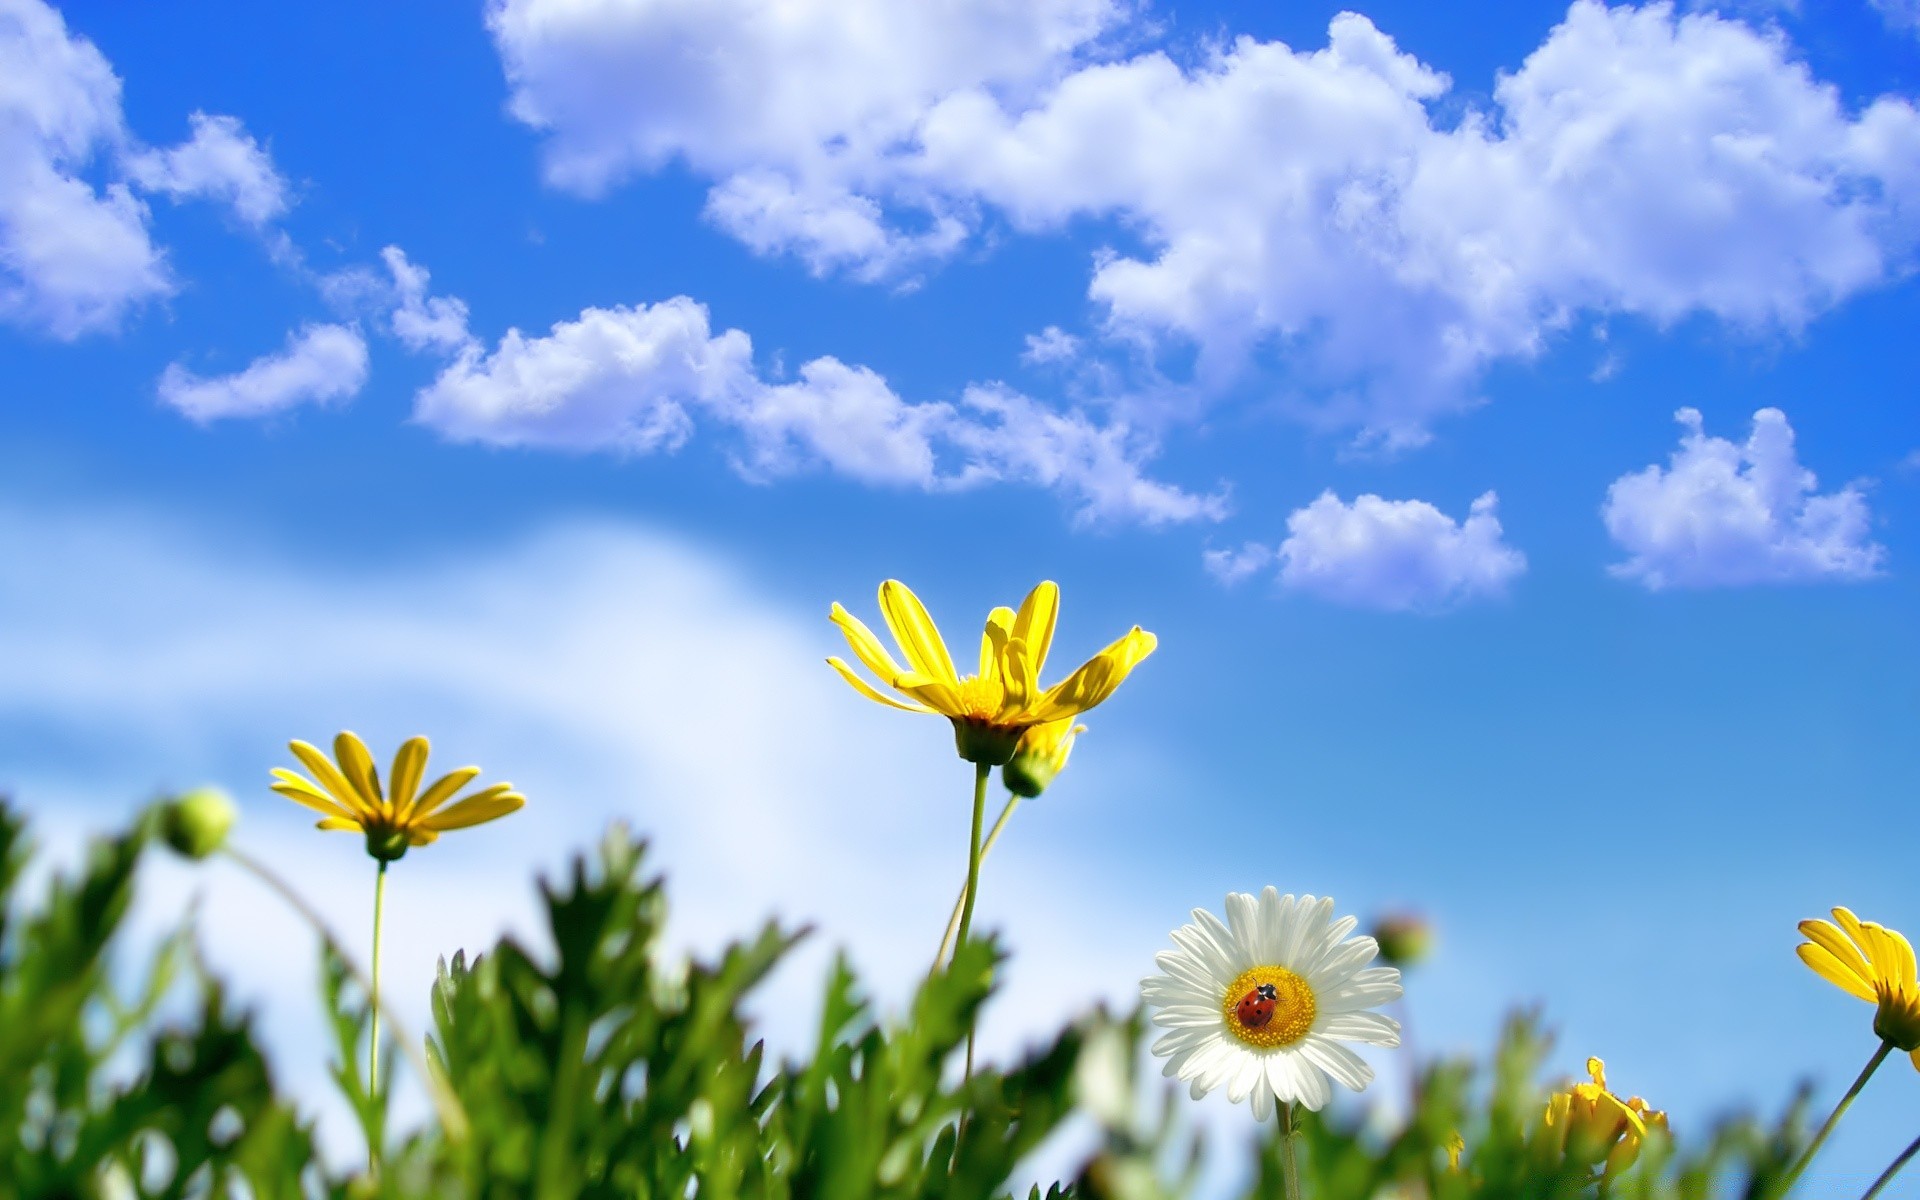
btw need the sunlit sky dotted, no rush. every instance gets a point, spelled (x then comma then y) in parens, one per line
(1507, 426)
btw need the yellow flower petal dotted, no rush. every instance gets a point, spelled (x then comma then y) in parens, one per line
(1034, 626)
(357, 765)
(1892, 956)
(336, 823)
(330, 777)
(300, 791)
(1828, 936)
(496, 801)
(916, 632)
(872, 693)
(866, 647)
(441, 790)
(1020, 676)
(993, 640)
(1097, 678)
(409, 763)
(1834, 971)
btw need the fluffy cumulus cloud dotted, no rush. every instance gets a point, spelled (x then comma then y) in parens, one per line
(321, 363)
(76, 253)
(786, 106)
(1392, 555)
(641, 380)
(1299, 206)
(1725, 514)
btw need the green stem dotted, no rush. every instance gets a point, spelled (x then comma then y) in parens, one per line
(980, 771)
(373, 1047)
(1290, 1164)
(1846, 1101)
(973, 851)
(960, 901)
(453, 1118)
(1893, 1168)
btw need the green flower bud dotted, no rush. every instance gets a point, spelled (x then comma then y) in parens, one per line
(196, 823)
(1405, 939)
(385, 844)
(1041, 755)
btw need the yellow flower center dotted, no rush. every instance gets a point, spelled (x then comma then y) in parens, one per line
(980, 698)
(1267, 1007)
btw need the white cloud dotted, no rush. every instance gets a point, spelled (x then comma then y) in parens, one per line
(424, 322)
(1902, 16)
(1051, 345)
(616, 379)
(220, 162)
(76, 253)
(74, 258)
(605, 669)
(1013, 438)
(1231, 566)
(1727, 515)
(1302, 208)
(639, 380)
(321, 363)
(1393, 555)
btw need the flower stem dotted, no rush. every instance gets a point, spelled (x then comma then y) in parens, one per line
(959, 902)
(1819, 1139)
(453, 1118)
(1893, 1168)
(373, 1047)
(973, 852)
(1287, 1159)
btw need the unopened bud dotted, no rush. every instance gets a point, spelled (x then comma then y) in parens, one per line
(1405, 939)
(1041, 755)
(196, 823)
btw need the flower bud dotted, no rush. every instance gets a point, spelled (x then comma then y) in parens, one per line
(196, 823)
(1041, 754)
(1405, 938)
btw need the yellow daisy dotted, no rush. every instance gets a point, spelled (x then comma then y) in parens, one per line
(1596, 1126)
(991, 708)
(348, 795)
(1041, 755)
(1874, 963)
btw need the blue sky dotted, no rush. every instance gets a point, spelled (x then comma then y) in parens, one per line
(1507, 427)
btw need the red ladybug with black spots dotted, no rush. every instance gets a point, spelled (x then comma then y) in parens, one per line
(1256, 1007)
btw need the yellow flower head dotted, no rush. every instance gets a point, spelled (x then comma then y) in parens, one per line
(348, 795)
(1596, 1126)
(1456, 1146)
(993, 707)
(1041, 754)
(1871, 962)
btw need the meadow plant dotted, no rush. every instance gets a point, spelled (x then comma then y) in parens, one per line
(605, 1069)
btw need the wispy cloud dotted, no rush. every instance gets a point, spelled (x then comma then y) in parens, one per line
(321, 364)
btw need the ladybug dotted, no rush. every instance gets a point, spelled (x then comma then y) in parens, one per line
(1256, 1007)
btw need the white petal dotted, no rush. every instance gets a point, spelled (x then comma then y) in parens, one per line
(1330, 939)
(1262, 1100)
(1245, 1073)
(1337, 1061)
(1184, 969)
(1342, 964)
(1368, 1027)
(1179, 1016)
(1243, 921)
(1283, 1077)
(1369, 989)
(1272, 925)
(1293, 916)
(1315, 1090)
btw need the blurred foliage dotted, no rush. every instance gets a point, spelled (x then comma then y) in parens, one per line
(605, 1069)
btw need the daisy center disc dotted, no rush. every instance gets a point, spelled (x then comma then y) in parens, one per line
(1267, 1007)
(980, 699)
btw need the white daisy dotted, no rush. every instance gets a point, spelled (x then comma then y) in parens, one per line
(1261, 1003)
